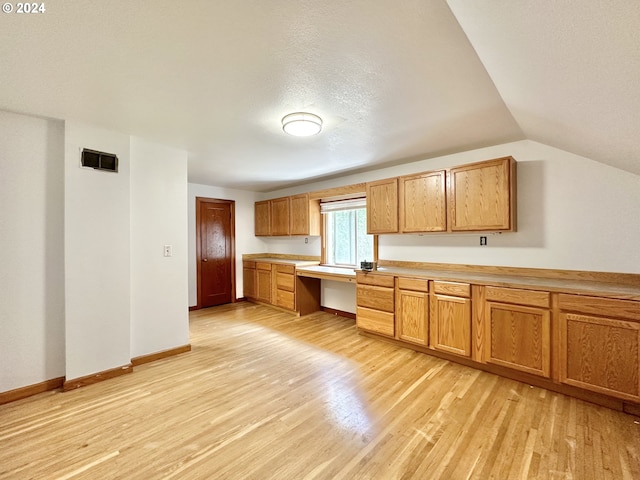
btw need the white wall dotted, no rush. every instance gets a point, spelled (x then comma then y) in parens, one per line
(97, 254)
(159, 289)
(32, 253)
(246, 241)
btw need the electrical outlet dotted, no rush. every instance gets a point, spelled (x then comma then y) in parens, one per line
(483, 241)
(168, 251)
(306, 240)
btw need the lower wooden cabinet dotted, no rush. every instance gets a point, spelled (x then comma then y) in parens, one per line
(285, 286)
(249, 279)
(277, 284)
(597, 352)
(518, 329)
(263, 282)
(450, 324)
(412, 310)
(590, 343)
(375, 303)
(519, 337)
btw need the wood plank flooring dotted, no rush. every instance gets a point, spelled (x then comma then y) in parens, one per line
(266, 395)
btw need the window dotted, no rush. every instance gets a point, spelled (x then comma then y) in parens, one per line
(345, 233)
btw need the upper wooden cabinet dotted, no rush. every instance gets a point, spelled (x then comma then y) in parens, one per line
(382, 206)
(305, 215)
(423, 202)
(280, 211)
(262, 218)
(295, 215)
(482, 196)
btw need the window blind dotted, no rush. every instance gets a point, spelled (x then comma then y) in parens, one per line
(338, 205)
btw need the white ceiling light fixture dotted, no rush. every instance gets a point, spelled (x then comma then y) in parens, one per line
(301, 124)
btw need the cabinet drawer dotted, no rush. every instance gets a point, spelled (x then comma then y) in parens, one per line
(249, 264)
(452, 288)
(379, 298)
(373, 279)
(415, 284)
(290, 269)
(518, 296)
(608, 307)
(263, 266)
(285, 299)
(284, 281)
(375, 321)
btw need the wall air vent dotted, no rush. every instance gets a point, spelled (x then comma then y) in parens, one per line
(99, 160)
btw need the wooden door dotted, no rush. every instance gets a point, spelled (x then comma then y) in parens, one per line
(423, 206)
(382, 206)
(215, 234)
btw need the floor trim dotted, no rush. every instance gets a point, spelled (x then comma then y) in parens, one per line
(97, 377)
(152, 357)
(29, 390)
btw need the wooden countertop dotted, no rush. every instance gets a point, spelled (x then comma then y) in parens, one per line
(283, 261)
(323, 272)
(579, 287)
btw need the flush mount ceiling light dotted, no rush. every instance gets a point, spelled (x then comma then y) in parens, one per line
(301, 124)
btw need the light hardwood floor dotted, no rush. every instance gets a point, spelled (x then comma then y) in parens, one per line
(266, 395)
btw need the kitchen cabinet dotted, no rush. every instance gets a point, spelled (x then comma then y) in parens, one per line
(600, 345)
(382, 206)
(412, 310)
(295, 215)
(518, 329)
(263, 282)
(285, 286)
(375, 303)
(482, 196)
(280, 211)
(262, 218)
(423, 202)
(305, 215)
(450, 318)
(249, 279)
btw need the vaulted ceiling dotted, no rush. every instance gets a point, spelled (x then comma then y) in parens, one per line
(394, 81)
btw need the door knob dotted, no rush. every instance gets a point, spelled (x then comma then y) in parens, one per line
(204, 259)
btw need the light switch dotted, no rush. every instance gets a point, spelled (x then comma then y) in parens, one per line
(168, 251)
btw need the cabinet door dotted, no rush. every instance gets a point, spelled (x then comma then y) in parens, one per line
(305, 215)
(263, 285)
(280, 216)
(481, 196)
(450, 324)
(382, 206)
(249, 280)
(519, 337)
(262, 218)
(412, 315)
(600, 354)
(423, 203)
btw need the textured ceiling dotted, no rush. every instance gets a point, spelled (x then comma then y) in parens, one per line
(393, 81)
(569, 71)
